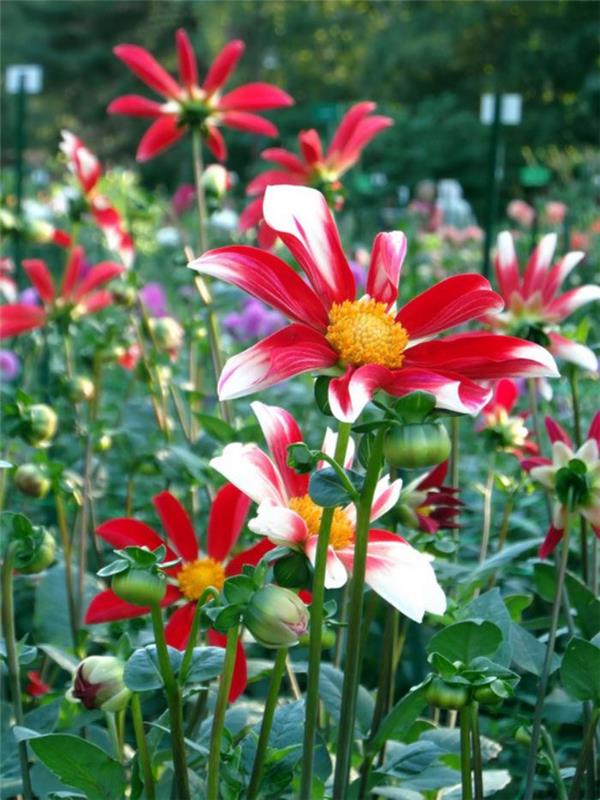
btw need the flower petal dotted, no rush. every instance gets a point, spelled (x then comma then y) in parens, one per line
(240, 671)
(366, 130)
(348, 124)
(302, 219)
(100, 274)
(387, 256)
(311, 147)
(147, 69)
(273, 177)
(95, 301)
(285, 159)
(252, 471)
(386, 496)
(559, 272)
(251, 215)
(255, 97)
(329, 445)
(244, 121)
(216, 143)
(134, 105)
(223, 66)
(538, 265)
(573, 352)
(280, 430)
(39, 275)
(107, 607)
(336, 572)
(72, 272)
(506, 394)
(123, 532)
(188, 68)
(450, 302)
(565, 304)
(20, 318)
(252, 555)
(177, 525)
(280, 525)
(160, 135)
(553, 537)
(267, 277)
(177, 629)
(226, 519)
(507, 266)
(435, 477)
(288, 352)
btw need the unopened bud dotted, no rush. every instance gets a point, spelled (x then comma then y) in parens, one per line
(167, 334)
(98, 683)
(32, 480)
(80, 389)
(36, 553)
(276, 617)
(39, 424)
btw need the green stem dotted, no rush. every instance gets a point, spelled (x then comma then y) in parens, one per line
(63, 528)
(12, 660)
(455, 469)
(174, 704)
(316, 625)
(465, 753)
(487, 509)
(142, 747)
(353, 659)
(539, 708)
(477, 760)
(265, 728)
(561, 790)
(214, 756)
(583, 537)
(583, 762)
(111, 724)
(535, 412)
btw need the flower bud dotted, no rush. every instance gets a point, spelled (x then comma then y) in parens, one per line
(103, 443)
(441, 694)
(124, 296)
(98, 683)
(276, 617)
(216, 180)
(80, 389)
(39, 424)
(32, 480)
(413, 446)
(35, 555)
(139, 587)
(167, 333)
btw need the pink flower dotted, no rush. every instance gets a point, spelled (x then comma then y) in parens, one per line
(370, 345)
(287, 516)
(190, 104)
(555, 212)
(534, 308)
(521, 212)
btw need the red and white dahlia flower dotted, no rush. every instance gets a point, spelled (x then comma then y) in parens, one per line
(364, 341)
(287, 516)
(506, 431)
(427, 505)
(191, 104)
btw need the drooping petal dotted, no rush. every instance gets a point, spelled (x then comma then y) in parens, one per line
(507, 266)
(177, 525)
(160, 135)
(19, 318)
(252, 471)
(302, 219)
(226, 519)
(72, 272)
(573, 352)
(565, 304)
(537, 266)
(107, 607)
(280, 525)
(336, 571)
(177, 629)
(310, 146)
(386, 496)
(559, 272)
(252, 123)
(188, 68)
(134, 105)
(266, 277)
(285, 158)
(594, 431)
(251, 215)
(100, 274)
(255, 97)
(252, 555)
(280, 430)
(553, 537)
(448, 303)
(223, 66)
(387, 256)
(240, 671)
(288, 352)
(39, 275)
(216, 143)
(506, 395)
(147, 69)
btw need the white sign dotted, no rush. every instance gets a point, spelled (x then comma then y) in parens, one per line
(510, 109)
(29, 76)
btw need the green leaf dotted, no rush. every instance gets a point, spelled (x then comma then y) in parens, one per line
(228, 617)
(580, 670)
(216, 428)
(465, 641)
(80, 764)
(207, 663)
(528, 652)
(516, 604)
(142, 673)
(400, 719)
(238, 589)
(51, 615)
(504, 557)
(300, 457)
(585, 602)
(327, 490)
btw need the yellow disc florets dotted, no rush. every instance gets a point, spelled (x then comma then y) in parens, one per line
(363, 332)
(196, 576)
(342, 530)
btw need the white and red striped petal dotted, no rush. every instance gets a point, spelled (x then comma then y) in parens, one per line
(387, 256)
(559, 272)
(280, 525)
(160, 135)
(448, 303)
(288, 352)
(253, 472)
(565, 304)
(255, 97)
(538, 265)
(39, 275)
(147, 69)
(329, 445)
(507, 266)
(188, 67)
(223, 66)
(134, 105)
(303, 221)
(573, 352)
(266, 277)
(386, 496)
(336, 572)
(280, 430)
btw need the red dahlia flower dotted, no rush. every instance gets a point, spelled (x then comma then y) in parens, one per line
(427, 505)
(314, 167)
(506, 431)
(286, 515)
(189, 579)
(77, 295)
(189, 104)
(364, 341)
(578, 486)
(35, 686)
(86, 168)
(534, 308)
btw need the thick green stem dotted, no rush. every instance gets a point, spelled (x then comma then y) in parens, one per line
(175, 706)
(12, 662)
(354, 655)
(265, 729)
(584, 761)
(316, 625)
(214, 756)
(488, 495)
(465, 753)
(111, 724)
(63, 528)
(561, 791)
(477, 760)
(539, 708)
(142, 747)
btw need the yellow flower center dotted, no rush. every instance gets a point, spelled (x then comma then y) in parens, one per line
(363, 332)
(196, 576)
(342, 529)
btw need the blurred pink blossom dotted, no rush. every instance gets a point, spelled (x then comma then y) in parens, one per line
(183, 199)
(555, 212)
(521, 212)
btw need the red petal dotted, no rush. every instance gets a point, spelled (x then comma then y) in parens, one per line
(188, 68)
(553, 537)
(147, 69)
(251, 215)
(280, 430)
(594, 431)
(160, 135)
(267, 277)
(107, 607)
(273, 177)
(133, 105)
(177, 630)
(102, 273)
(244, 121)
(284, 158)
(387, 256)
(226, 519)
(506, 395)
(436, 477)
(72, 272)
(348, 125)
(538, 265)
(311, 147)
(365, 131)
(556, 433)
(507, 266)
(123, 532)
(177, 525)
(216, 143)
(223, 65)
(19, 318)
(240, 672)
(95, 301)
(39, 274)
(255, 97)
(252, 555)
(558, 273)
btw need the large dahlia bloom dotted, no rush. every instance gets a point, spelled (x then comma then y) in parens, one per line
(364, 342)
(287, 516)
(314, 167)
(77, 296)
(534, 308)
(84, 165)
(195, 573)
(191, 104)
(573, 477)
